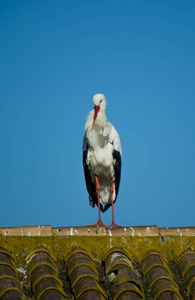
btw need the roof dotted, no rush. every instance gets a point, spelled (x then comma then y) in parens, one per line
(144, 262)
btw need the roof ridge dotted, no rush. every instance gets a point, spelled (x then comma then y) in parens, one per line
(89, 230)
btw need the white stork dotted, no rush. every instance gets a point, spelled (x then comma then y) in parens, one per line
(101, 159)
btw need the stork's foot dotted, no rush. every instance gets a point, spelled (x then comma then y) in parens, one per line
(113, 224)
(99, 223)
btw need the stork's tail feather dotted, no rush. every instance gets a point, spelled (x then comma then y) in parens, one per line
(105, 208)
(92, 203)
(102, 208)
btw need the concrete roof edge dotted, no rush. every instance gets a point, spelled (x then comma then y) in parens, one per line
(139, 231)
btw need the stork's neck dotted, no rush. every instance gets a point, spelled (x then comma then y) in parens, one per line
(100, 122)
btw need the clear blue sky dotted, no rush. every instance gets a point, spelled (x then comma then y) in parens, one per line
(54, 56)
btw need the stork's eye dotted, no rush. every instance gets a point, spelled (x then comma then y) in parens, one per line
(101, 101)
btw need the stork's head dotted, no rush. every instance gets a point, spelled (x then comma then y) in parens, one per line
(99, 102)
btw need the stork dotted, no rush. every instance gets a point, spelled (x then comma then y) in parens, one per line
(101, 159)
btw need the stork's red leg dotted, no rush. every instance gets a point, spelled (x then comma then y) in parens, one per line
(113, 224)
(98, 192)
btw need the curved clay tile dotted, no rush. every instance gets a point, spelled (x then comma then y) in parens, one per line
(127, 284)
(83, 275)
(10, 286)
(159, 276)
(186, 263)
(43, 274)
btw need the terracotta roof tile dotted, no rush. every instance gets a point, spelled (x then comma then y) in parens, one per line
(10, 286)
(158, 275)
(43, 274)
(187, 266)
(127, 283)
(144, 262)
(83, 275)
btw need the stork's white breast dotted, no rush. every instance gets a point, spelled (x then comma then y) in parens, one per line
(101, 161)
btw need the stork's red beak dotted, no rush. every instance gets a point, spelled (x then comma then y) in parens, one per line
(95, 113)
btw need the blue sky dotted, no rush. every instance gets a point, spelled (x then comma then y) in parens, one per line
(54, 56)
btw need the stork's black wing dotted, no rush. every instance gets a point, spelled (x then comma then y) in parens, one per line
(89, 183)
(117, 170)
(117, 173)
